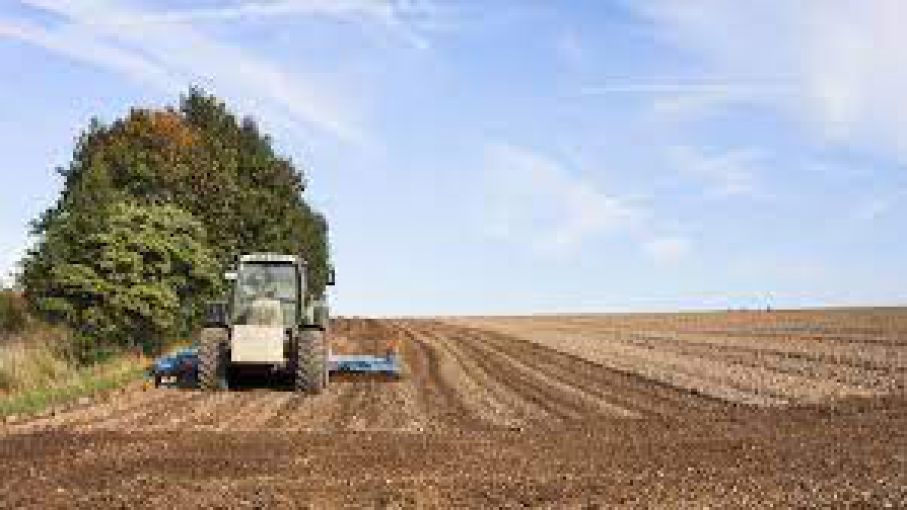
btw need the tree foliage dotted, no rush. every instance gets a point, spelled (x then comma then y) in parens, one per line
(137, 280)
(208, 169)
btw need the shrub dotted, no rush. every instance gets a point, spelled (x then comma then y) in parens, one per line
(13, 312)
(34, 359)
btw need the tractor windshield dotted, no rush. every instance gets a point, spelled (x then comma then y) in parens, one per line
(266, 295)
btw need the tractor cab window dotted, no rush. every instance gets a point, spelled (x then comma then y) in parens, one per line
(266, 295)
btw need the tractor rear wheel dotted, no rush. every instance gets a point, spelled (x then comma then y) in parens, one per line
(212, 359)
(311, 361)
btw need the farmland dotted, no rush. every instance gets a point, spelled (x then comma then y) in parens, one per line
(735, 408)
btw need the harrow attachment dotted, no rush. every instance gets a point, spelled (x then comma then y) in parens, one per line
(365, 364)
(180, 368)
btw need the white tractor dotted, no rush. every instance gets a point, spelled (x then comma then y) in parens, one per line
(271, 324)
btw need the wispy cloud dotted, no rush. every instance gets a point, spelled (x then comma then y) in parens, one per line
(683, 86)
(692, 98)
(84, 45)
(533, 199)
(398, 17)
(165, 50)
(536, 201)
(842, 64)
(229, 12)
(724, 174)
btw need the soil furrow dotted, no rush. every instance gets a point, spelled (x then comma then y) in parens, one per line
(440, 400)
(579, 393)
(527, 385)
(623, 390)
(485, 394)
(508, 388)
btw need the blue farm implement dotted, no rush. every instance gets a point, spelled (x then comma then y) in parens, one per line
(180, 369)
(364, 364)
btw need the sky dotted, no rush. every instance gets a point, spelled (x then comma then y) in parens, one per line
(507, 157)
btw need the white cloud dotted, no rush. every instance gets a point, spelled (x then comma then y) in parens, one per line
(163, 49)
(840, 65)
(667, 250)
(691, 98)
(696, 101)
(393, 16)
(229, 12)
(675, 86)
(724, 174)
(533, 199)
(77, 43)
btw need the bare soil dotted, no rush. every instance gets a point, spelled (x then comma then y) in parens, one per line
(723, 410)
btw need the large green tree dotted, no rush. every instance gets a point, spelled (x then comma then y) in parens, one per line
(204, 159)
(199, 158)
(137, 278)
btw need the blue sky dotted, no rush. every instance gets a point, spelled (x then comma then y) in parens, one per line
(515, 157)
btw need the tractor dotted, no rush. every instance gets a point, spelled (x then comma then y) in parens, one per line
(270, 323)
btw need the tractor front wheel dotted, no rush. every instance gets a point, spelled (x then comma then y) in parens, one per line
(212, 359)
(311, 361)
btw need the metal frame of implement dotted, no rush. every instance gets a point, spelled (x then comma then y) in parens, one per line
(181, 367)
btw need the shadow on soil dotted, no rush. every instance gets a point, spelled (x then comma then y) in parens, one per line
(282, 382)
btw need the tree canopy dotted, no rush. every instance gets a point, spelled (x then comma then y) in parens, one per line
(138, 279)
(196, 171)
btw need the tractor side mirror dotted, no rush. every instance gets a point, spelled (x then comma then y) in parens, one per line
(216, 314)
(331, 277)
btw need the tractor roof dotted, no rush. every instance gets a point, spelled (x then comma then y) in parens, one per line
(270, 257)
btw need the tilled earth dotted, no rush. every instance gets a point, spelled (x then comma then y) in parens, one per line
(776, 409)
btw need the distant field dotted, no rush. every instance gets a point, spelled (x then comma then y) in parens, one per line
(763, 358)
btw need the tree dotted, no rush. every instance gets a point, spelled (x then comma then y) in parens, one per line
(137, 281)
(65, 229)
(221, 169)
(198, 158)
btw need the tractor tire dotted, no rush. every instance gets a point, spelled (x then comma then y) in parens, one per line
(212, 359)
(311, 361)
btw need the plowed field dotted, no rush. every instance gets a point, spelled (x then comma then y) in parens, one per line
(733, 409)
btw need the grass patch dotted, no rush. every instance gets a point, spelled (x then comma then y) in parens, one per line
(36, 373)
(82, 383)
